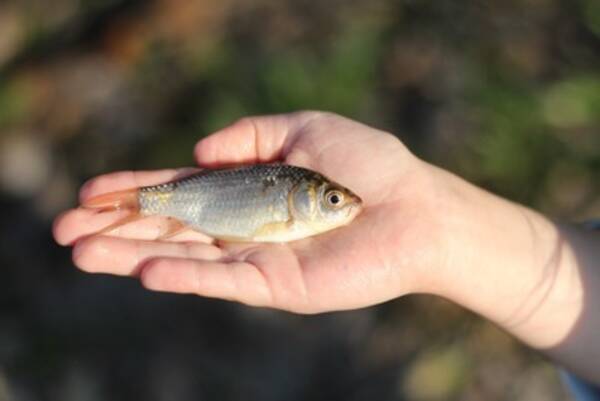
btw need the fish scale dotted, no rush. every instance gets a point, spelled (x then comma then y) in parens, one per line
(226, 202)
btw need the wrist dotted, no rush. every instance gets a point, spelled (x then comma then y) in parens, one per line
(507, 263)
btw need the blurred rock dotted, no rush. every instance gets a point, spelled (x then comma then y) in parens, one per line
(532, 385)
(125, 40)
(184, 21)
(4, 391)
(568, 187)
(12, 32)
(79, 383)
(24, 164)
(92, 94)
(59, 192)
(436, 375)
(412, 60)
(525, 52)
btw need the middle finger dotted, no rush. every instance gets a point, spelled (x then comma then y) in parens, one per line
(122, 256)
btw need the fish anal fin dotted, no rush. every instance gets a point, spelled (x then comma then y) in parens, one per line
(173, 228)
(121, 222)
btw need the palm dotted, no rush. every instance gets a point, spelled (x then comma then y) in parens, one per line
(346, 268)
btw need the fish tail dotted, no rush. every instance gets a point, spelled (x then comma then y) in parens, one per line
(120, 200)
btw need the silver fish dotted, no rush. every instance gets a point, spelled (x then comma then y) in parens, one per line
(258, 203)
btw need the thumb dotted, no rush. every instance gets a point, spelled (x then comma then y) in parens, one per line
(251, 140)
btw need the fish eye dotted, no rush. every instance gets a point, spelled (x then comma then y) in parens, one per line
(334, 198)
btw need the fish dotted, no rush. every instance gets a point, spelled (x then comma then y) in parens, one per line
(268, 202)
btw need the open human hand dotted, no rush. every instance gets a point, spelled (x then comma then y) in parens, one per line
(421, 230)
(379, 256)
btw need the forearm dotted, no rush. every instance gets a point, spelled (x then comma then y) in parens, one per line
(536, 279)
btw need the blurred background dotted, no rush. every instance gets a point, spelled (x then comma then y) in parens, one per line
(504, 93)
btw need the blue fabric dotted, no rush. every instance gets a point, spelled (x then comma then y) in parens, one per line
(592, 224)
(580, 389)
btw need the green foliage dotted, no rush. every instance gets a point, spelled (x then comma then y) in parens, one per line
(591, 13)
(573, 102)
(524, 130)
(14, 102)
(338, 82)
(439, 374)
(340, 78)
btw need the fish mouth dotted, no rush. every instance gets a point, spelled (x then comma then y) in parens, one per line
(357, 201)
(355, 208)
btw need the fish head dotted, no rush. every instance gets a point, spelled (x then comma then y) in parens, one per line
(323, 204)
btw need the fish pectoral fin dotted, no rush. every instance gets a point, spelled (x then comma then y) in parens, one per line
(271, 231)
(174, 227)
(229, 239)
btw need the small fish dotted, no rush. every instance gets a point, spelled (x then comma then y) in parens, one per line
(256, 203)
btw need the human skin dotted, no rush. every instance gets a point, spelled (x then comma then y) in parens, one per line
(422, 230)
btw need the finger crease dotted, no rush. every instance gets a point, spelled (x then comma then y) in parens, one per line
(256, 139)
(267, 285)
